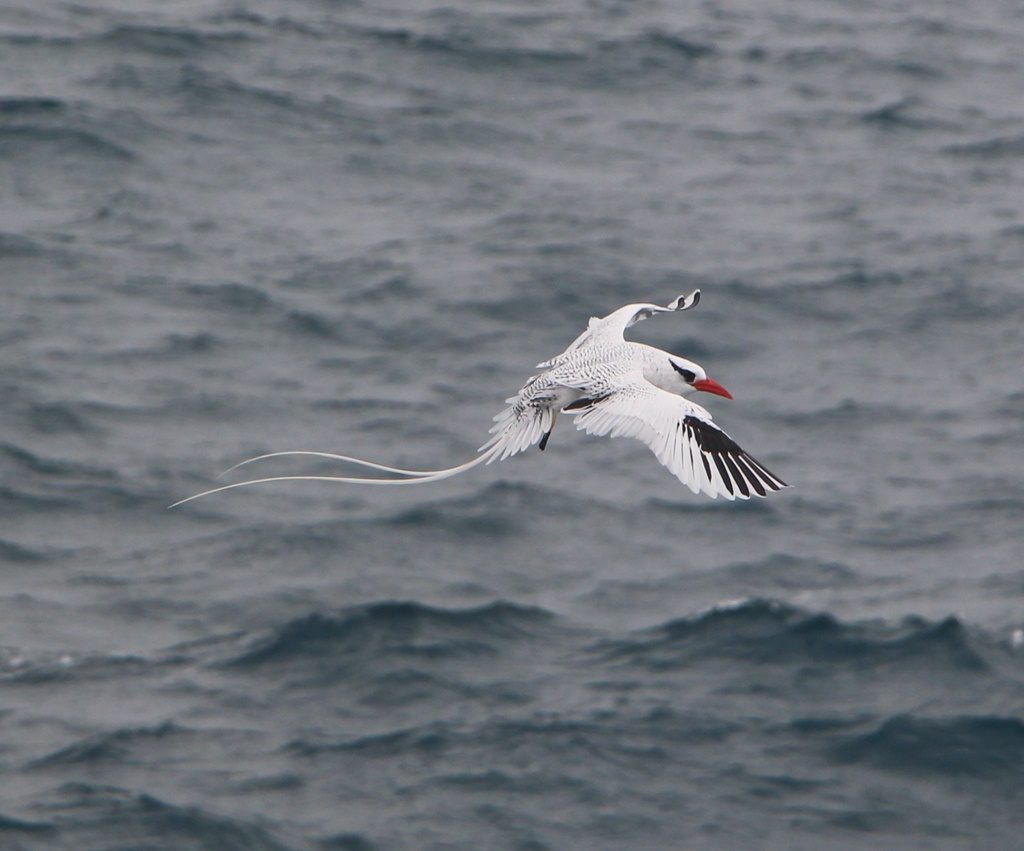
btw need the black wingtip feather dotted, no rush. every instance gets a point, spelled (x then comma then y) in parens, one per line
(737, 477)
(773, 481)
(746, 472)
(726, 480)
(753, 478)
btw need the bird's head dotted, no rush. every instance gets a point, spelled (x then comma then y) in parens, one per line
(688, 376)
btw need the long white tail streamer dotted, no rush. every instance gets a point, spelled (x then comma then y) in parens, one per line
(348, 458)
(421, 478)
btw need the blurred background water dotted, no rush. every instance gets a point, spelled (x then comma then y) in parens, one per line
(234, 227)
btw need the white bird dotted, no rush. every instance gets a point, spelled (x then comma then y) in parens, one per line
(610, 387)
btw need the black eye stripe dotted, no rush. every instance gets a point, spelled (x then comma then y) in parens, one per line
(688, 375)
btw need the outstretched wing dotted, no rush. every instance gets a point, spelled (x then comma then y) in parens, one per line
(610, 328)
(681, 435)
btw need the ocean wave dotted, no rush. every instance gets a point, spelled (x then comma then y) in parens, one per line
(899, 115)
(814, 293)
(482, 523)
(850, 413)
(168, 346)
(985, 747)
(221, 94)
(368, 405)
(29, 105)
(781, 570)
(60, 418)
(18, 554)
(18, 501)
(404, 628)
(271, 24)
(955, 303)
(846, 57)
(364, 279)
(114, 745)
(420, 739)
(180, 345)
(20, 140)
(349, 842)
(13, 245)
(618, 61)
(892, 530)
(765, 631)
(28, 461)
(342, 328)
(753, 507)
(357, 330)
(320, 541)
(33, 668)
(998, 147)
(607, 735)
(128, 819)
(1011, 405)
(164, 41)
(174, 42)
(554, 738)
(497, 509)
(16, 825)
(409, 685)
(1009, 583)
(232, 297)
(814, 299)
(475, 516)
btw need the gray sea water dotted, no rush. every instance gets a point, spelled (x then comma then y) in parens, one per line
(234, 227)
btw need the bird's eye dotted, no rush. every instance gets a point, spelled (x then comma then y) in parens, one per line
(688, 375)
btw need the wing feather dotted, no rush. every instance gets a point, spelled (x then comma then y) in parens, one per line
(681, 435)
(529, 416)
(610, 328)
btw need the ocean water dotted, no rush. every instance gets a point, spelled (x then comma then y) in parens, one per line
(235, 227)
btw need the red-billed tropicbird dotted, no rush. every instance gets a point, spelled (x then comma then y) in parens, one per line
(610, 387)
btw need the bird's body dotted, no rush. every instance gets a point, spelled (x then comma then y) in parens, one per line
(586, 373)
(610, 387)
(589, 372)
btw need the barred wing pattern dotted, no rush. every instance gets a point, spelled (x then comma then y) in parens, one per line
(681, 435)
(521, 425)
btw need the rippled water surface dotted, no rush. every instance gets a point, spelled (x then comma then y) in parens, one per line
(228, 228)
